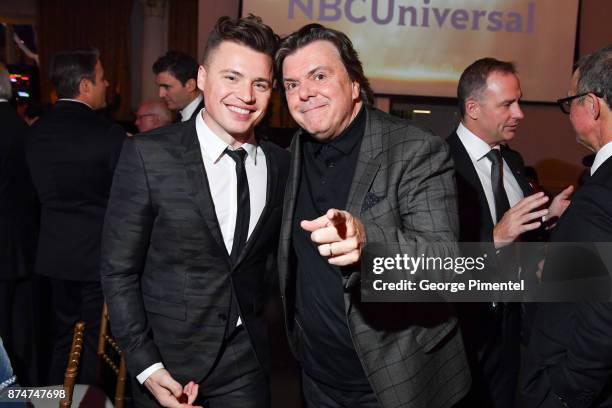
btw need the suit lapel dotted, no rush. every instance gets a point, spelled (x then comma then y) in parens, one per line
(368, 162)
(197, 110)
(192, 159)
(516, 166)
(465, 169)
(291, 192)
(271, 187)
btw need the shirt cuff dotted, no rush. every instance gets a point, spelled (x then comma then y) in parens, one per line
(142, 377)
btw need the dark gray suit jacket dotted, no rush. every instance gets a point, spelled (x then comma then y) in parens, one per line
(166, 273)
(403, 191)
(491, 337)
(476, 224)
(72, 152)
(569, 359)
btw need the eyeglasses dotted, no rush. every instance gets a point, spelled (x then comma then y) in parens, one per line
(566, 103)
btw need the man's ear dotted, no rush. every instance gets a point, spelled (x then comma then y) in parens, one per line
(191, 85)
(201, 77)
(594, 106)
(356, 90)
(472, 109)
(84, 86)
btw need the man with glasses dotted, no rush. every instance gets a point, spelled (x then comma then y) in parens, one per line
(569, 360)
(151, 115)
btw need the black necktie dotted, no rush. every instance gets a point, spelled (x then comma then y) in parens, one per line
(179, 117)
(497, 182)
(243, 209)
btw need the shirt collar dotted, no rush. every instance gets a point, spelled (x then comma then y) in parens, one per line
(602, 155)
(214, 147)
(475, 146)
(188, 110)
(75, 100)
(3, 100)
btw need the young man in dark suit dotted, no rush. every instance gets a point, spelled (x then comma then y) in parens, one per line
(176, 76)
(360, 175)
(569, 359)
(72, 154)
(498, 206)
(192, 222)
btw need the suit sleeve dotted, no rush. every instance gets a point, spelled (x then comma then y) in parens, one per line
(587, 365)
(585, 369)
(427, 204)
(117, 136)
(127, 228)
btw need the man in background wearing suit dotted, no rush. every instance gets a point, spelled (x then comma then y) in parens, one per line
(72, 153)
(192, 223)
(18, 230)
(358, 175)
(570, 352)
(496, 205)
(176, 75)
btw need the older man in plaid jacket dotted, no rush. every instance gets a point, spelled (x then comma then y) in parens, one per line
(357, 175)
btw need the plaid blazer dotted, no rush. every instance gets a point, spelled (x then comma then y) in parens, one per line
(403, 191)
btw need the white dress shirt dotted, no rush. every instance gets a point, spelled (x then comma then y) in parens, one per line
(221, 176)
(602, 155)
(478, 149)
(188, 110)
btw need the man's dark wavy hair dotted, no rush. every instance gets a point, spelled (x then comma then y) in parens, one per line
(316, 32)
(182, 66)
(249, 31)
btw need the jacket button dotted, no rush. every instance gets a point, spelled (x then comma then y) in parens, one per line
(222, 317)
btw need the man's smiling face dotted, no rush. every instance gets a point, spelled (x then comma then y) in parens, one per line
(237, 84)
(321, 97)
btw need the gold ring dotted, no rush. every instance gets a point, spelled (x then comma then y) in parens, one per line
(330, 249)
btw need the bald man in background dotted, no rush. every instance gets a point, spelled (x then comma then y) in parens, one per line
(152, 114)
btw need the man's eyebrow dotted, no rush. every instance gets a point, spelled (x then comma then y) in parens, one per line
(309, 73)
(318, 68)
(510, 101)
(261, 79)
(231, 71)
(239, 74)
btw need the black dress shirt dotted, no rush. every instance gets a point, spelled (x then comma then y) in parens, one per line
(328, 354)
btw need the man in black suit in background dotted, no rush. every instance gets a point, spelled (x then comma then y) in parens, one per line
(570, 352)
(496, 205)
(72, 154)
(18, 229)
(192, 223)
(176, 76)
